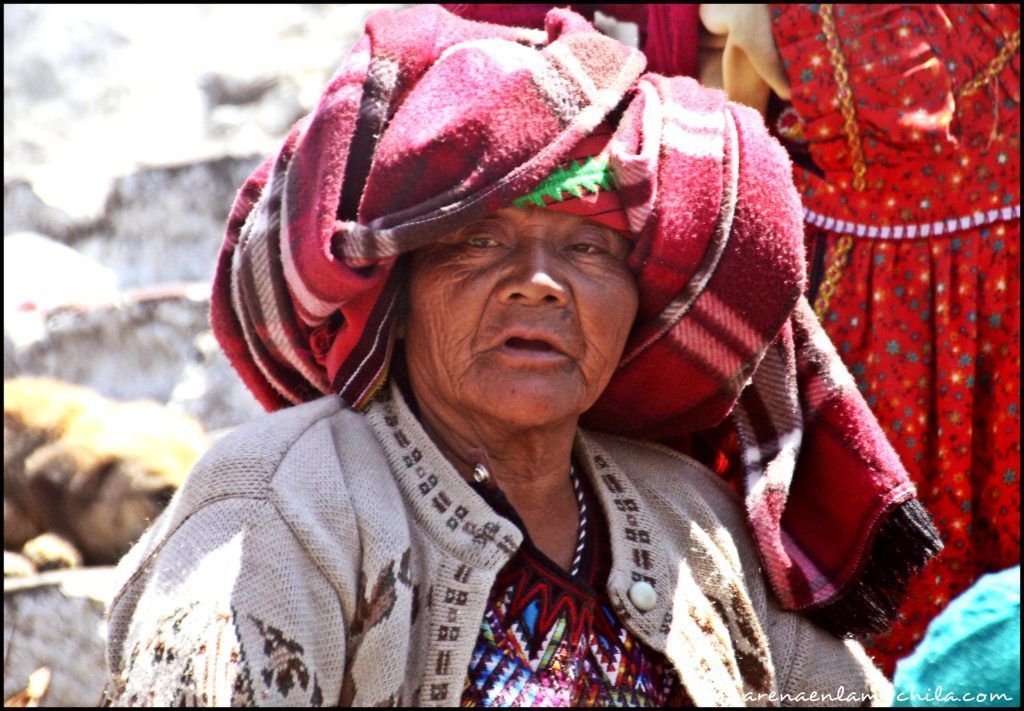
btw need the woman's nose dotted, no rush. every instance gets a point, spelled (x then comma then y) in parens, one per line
(534, 278)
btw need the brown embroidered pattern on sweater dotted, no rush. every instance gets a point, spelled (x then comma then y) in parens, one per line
(638, 536)
(168, 646)
(377, 607)
(285, 665)
(373, 609)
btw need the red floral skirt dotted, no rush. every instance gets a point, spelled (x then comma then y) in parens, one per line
(930, 329)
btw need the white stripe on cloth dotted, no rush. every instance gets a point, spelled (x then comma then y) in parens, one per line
(508, 56)
(581, 538)
(713, 120)
(373, 349)
(257, 261)
(919, 230)
(697, 144)
(251, 339)
(777, 472)
(562, 54)
(631, 169)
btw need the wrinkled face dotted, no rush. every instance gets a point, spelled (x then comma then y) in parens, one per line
(521, 317)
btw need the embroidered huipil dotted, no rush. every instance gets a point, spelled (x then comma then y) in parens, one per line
(549, 637)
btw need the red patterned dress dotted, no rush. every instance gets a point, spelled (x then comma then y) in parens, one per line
(907, 119)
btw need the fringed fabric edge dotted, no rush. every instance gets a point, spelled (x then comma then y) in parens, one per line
(904, 543)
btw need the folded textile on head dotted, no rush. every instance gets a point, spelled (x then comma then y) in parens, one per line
(434, 122)
(584, 185)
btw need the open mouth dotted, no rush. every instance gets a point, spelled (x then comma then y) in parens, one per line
(529, 344)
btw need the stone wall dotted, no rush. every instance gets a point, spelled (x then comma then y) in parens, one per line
(55, 620)
(127, 132)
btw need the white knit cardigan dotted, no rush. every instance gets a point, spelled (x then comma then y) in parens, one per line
(319, 556)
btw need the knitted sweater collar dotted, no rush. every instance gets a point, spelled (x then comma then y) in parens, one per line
(463, 524)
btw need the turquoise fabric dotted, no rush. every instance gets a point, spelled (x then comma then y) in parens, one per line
(970, 652)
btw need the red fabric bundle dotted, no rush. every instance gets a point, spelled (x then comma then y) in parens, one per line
(434, 122)
(669, 32)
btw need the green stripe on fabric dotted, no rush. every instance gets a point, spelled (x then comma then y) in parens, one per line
(590, 174)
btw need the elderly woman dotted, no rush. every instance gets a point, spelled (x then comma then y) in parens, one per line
(480, 236)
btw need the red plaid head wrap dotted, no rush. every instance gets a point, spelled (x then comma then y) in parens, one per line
(434, 122)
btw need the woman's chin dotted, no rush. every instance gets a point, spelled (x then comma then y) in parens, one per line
(531, 399)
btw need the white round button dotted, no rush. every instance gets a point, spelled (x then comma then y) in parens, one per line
(643, 596)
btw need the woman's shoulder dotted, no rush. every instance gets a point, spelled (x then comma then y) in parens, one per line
(300, 467)
(246, 461)
(258, 553)
(701, 520)
(268, 474)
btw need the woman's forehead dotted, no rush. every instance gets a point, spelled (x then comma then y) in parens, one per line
(525, 216)
(539, 219)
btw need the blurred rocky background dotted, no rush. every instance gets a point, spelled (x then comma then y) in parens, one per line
(127, 131)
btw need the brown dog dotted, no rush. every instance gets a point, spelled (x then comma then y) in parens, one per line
(95, 471)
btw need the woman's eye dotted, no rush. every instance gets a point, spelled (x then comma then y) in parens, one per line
(482, 242)
(586, 248)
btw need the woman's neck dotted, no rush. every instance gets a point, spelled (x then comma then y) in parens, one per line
(518, 459)
(531, 468)
(530, 465)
